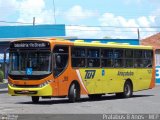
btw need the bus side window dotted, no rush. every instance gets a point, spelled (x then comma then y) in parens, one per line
(81, 62)
(135, 64)
(58, 61)
(78, 57)
(147, 63)
(143, 58)
(107, 58)
(148, 56)
(118, 58)
(138, 63)
(129, 58)
(90, 63)
(93, 57)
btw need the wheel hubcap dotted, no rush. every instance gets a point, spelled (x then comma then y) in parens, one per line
(74, 93)
(127, 90)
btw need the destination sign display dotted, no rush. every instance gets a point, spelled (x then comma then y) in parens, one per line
(30, 45)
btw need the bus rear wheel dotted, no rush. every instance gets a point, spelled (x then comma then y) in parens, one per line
(74, 93)
(35, 99)
(127, 90)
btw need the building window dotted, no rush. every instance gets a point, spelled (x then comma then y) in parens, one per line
(157, 57)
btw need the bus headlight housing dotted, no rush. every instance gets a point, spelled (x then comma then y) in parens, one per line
(12, 85)
(45, 83)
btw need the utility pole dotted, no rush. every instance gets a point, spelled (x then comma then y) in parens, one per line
(5, 63)
(54, 12)
(138, 34)
(34, 19)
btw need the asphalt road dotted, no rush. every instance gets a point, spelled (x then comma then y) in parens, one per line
(147, 101)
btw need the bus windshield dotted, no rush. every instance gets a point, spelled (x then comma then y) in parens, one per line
(30, 63)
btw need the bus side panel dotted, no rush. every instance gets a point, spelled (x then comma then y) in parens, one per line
(65, 80)
(99, 81)
(152, 84)
(113, 80)
(144, 79)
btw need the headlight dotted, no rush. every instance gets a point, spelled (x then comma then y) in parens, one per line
(12, 85)
(45, 83)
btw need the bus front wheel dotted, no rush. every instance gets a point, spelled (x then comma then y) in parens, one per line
(35, 99)
(74, 93)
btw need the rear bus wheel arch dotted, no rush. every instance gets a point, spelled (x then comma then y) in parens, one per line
(127, 89)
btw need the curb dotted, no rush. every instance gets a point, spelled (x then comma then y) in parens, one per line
(2, 91)
(3, 88)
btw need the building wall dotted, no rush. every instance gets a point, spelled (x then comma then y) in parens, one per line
(31, 31)
(157, 57)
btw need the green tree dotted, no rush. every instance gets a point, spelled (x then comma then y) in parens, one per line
(1, 76)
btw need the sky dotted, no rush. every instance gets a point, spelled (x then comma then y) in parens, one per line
(87, 18)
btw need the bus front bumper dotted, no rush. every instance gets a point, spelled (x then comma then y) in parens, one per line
(40, 91)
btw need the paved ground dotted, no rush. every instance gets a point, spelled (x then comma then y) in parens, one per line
(142, 102)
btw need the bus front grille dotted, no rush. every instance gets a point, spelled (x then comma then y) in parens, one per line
(26, 86)
(24, 92)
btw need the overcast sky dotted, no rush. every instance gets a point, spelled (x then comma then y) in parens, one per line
(87, 18)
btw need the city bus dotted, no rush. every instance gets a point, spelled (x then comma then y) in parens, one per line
(52, 67)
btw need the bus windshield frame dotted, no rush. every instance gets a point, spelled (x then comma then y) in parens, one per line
(30, 62)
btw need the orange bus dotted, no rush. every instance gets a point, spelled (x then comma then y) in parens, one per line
(61, 68)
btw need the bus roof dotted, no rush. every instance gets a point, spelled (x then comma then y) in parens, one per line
(81, 43)
(110, 45)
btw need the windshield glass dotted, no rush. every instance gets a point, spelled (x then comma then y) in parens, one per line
(30, 63)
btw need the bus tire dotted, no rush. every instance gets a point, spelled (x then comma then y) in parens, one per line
(74, 93)
(127, 90)
(35, 99)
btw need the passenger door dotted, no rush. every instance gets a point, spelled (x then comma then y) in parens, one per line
(60, 68)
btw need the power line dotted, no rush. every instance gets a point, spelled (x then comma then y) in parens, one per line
(99, 12)
(62, 14)
(93, 28)
(110, 30)
(2, 21)
(113, 26)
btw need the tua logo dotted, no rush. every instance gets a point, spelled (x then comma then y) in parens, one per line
(90, 74)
